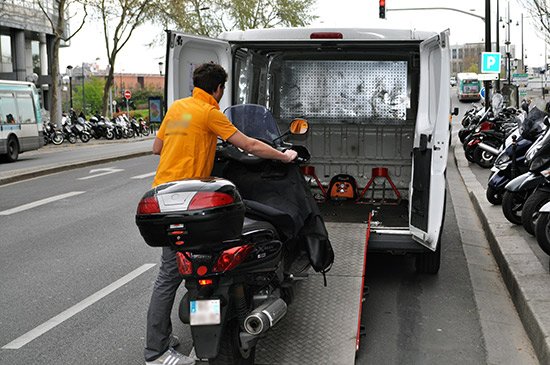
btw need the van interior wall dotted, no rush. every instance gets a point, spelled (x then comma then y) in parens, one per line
(361, 107)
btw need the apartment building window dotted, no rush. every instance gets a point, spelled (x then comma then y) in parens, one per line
(5, 54)
(35, 47)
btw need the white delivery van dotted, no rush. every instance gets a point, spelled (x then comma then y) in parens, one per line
(377, 102)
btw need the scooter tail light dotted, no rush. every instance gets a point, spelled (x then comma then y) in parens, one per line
(231, 258)
(148, 205)
(205, 199)
(185, 266)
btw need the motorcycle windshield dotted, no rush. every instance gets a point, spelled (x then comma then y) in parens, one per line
(533, 124)
(256, 121)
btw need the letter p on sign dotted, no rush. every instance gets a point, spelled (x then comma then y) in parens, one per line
(490, 62)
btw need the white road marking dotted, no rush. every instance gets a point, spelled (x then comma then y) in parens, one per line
(101, 172)
(75, 309)
(40, 202)
(144, 176)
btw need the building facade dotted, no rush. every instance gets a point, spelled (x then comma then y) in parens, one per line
(467, 57)
(26, 41)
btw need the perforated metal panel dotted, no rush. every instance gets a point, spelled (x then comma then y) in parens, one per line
(345, 89)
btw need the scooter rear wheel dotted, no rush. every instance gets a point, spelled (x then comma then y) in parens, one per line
(230, 352)
(542, 231)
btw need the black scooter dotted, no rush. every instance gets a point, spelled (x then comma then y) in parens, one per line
(239, 268)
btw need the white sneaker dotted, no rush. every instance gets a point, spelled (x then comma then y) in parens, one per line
(172, 357)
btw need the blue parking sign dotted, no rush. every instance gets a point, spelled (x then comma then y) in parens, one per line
(490, 62)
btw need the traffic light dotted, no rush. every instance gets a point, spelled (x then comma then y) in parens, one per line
(548, 67)
(525, 69)
(382, 11)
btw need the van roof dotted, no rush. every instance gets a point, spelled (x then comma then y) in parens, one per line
(302, 34)
(16, 83)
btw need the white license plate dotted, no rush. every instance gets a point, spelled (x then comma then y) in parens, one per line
(205, 312)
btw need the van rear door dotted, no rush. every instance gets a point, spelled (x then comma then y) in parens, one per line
(184, 53)
(431, 142)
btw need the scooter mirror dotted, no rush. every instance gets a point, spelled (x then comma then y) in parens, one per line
(455, 111)
(299, 126)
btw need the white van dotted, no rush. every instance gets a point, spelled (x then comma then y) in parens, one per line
(377, 100)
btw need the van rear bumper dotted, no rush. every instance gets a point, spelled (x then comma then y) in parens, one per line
(394, 241)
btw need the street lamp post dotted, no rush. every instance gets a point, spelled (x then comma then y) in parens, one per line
(70, 74)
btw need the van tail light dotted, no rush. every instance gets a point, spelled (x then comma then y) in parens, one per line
(185, 267)
(229, 259)
(204, 199)
(148, 205)
(326, 35)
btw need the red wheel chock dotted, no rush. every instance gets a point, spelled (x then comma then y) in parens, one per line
(309, 170)
(383, 173)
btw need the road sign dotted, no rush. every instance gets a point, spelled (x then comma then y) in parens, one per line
(127, 94)
(522, 79)
(482, 93)
(490, 62)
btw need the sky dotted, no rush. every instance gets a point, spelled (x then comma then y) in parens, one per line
(88, 45)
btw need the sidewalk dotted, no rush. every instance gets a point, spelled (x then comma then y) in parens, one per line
(51, 159)
(525, 276)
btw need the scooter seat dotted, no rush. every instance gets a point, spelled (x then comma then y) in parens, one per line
(250, 225)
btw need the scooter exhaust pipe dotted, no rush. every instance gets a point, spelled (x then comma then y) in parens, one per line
(265, 316)
(488, 148)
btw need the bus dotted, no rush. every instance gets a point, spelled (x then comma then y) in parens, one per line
(20, 119)
(468, 86)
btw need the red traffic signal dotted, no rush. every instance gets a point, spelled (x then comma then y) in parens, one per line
(382, 9)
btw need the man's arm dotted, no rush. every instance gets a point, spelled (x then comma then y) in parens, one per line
(157, 146)
(258, 148)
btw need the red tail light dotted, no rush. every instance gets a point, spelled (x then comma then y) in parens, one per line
(486, 126)
(148, 205)
(209, 200)
(229, 259)
(185, 267)
(204, 282)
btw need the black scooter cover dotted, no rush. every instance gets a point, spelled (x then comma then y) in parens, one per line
(294, 211)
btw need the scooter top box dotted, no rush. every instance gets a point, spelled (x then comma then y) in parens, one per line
(190, 212)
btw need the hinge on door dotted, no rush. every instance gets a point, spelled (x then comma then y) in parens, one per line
(442, 40)
(171, 40)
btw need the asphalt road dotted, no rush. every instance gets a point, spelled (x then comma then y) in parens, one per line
(62, 262)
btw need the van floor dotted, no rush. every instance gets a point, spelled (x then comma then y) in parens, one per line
(350, 212)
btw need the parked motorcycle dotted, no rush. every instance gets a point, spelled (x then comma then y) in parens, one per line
(519, 189)
(68, 133)
(512, 161)
(239, 268)
(51, 135)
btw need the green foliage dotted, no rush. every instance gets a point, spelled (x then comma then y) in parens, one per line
(93, 94)
(474, 67)
(210, 17)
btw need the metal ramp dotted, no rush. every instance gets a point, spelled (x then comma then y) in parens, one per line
(321, 325)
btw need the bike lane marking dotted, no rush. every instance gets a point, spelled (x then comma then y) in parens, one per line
(100, 172)
(75, 309)
(144, 176)
(40, 202)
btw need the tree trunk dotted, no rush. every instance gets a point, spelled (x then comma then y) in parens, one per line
(108, 84)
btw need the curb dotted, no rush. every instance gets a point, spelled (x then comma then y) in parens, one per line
(525, 277)
(28, 174)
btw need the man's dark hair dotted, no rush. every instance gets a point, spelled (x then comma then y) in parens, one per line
(208, 76)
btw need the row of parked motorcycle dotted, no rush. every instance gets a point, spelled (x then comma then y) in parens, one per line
(74, 127)
(516, 145)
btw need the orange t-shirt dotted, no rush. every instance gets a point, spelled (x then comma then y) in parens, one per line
(189, 134)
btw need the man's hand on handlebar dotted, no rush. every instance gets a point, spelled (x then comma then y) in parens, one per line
(290, 155)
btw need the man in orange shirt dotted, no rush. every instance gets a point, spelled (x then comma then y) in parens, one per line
(186, 143)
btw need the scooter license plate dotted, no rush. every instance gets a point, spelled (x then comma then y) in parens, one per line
(205, 312)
